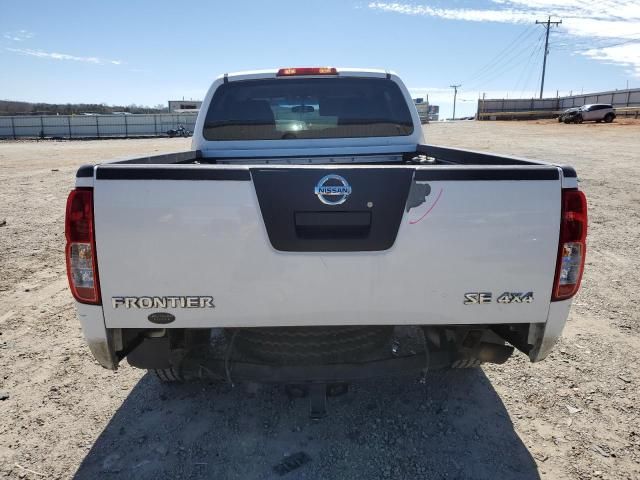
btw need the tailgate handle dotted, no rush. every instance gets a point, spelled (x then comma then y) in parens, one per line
(332, 225)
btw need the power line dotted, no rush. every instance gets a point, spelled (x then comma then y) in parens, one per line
(504, 68)
(533, 77)
(580, 45)
(501, 55)
(634, 40)
(547, 26)
(493, 60)
(514, 60)
(525, 75)
(527, 66)
(628, 35)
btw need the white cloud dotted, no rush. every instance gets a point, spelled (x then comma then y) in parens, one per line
(627, 55)
(18, 36)
(62, 56)
(600, 23)
(472, 15)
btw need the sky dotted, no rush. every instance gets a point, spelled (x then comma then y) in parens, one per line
(147, 52)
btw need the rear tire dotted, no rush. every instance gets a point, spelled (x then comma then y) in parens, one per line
(168, 375)
(609, 117)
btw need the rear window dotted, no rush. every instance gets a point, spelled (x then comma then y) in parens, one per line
(304, 108)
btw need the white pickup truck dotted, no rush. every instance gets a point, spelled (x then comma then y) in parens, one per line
(312, 237)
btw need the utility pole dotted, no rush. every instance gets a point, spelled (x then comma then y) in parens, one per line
(547, 26)
(455, 94)
(427, 108)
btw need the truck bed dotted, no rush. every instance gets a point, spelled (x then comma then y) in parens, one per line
(436, 155)
(416, 236)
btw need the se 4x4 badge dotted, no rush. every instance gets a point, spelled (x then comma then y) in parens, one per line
(481, 298)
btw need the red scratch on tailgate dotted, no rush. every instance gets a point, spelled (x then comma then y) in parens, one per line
(413, 222)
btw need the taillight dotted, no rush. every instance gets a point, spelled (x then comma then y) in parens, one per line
(572, 245)
(82, 269)
(292, 72)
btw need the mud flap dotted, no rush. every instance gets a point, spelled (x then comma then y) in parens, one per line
(546, 335)
(152, 353)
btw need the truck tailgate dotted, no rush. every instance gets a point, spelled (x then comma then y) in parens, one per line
(409, 244)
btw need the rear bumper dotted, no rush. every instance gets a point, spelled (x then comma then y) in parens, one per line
(104, 346)
(546, 335)
(99, 339)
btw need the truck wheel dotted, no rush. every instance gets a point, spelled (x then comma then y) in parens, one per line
(168, 375)
(609, 117)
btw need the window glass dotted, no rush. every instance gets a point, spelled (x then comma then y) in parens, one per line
(292, 108)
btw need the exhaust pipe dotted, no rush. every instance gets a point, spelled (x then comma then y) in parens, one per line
(492, 352)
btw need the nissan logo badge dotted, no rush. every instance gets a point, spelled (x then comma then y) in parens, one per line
(332, 189)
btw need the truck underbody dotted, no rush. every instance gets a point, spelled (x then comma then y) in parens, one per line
(311, 354)
(314, 361)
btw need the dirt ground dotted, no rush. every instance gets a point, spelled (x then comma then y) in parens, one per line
(575, 415)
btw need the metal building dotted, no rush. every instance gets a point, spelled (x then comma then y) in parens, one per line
(184, 106)
(426, 111)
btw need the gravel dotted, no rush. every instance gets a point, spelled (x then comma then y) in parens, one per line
(575, 415)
